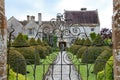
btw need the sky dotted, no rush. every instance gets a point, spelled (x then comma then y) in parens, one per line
(49, 8)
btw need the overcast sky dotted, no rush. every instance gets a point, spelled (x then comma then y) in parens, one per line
(49, 8)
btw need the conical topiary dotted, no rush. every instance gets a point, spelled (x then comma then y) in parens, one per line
(87, 42)
(98, 41)
(20, 41)
(32, 42)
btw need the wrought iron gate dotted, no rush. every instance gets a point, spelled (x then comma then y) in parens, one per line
(60, 65)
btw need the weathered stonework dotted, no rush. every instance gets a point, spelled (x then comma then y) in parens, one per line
(116, 38)
(3, 38)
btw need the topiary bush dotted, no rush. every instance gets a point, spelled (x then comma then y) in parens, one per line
(91, 54)
(30, 54)
(74, 48)
(17, 61)
(81, 51)
(87, 42)
(101, 61)
(98, 41)
(32, 42)
(42, 50)
(107, 74)
(20, 41)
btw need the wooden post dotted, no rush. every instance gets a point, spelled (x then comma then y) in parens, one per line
(3, 42)
(116, 38)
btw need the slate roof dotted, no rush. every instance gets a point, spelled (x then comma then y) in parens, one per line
(83, 17)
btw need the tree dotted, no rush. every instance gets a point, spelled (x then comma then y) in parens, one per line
(106, 33)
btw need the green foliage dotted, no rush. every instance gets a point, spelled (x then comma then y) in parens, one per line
(30, 54)
(93, 36)
(91, 54)
(43, 51)
(12, 76)
(79, 41)
(17, 62)
(107, 42)
(109, 69)
(98, 41)
(81, 51)
(101, 75)
(25, 37)
(87, 42)
(107, 74)
(20, 41)
(101, 60)
(39, 41)
(74, 48)
(32, 42)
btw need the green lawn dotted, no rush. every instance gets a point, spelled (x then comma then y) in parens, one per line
(83, 69)
(39, 68)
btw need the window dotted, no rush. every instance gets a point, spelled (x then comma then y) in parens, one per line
(92, 29)
(31, 31)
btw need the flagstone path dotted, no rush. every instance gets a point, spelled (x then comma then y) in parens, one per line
(66, 68)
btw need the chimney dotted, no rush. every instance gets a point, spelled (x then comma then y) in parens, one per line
(32, 18)
(28, 18)
(83, 9)
(39, 18)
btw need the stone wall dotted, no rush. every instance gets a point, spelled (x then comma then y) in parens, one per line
(116, 38)
(3, 38)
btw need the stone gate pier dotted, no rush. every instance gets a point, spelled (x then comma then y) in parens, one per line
(3, 42)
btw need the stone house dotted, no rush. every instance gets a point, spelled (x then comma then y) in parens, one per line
(83, 23)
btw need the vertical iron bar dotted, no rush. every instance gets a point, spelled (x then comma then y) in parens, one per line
(78, 71)
(69, 70)
(87, 71)
(17, 70)
(43, 71)
(52, 71)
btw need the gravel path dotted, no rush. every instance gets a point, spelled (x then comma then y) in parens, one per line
(67, 69)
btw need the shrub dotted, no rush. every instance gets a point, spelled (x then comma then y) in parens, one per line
(17, 62)
(39, 41)
(91, 54)
(80, 51)
(12, 76)
(49, 49)
(108, 73)
(87, 42)
(20, 41)
(98, 41)
(29, 53)
(101, 60)
(32, 42)
(93, 36)
(101, 75)
(42, 50)
(74, 48)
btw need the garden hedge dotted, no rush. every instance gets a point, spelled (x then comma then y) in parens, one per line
(91, 54)
(17, 61)
(74, 48)
(30, 54)
(107, 74)
(101, 60)
(81, 51)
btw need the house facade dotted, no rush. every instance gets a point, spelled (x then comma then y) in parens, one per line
(83, 23)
